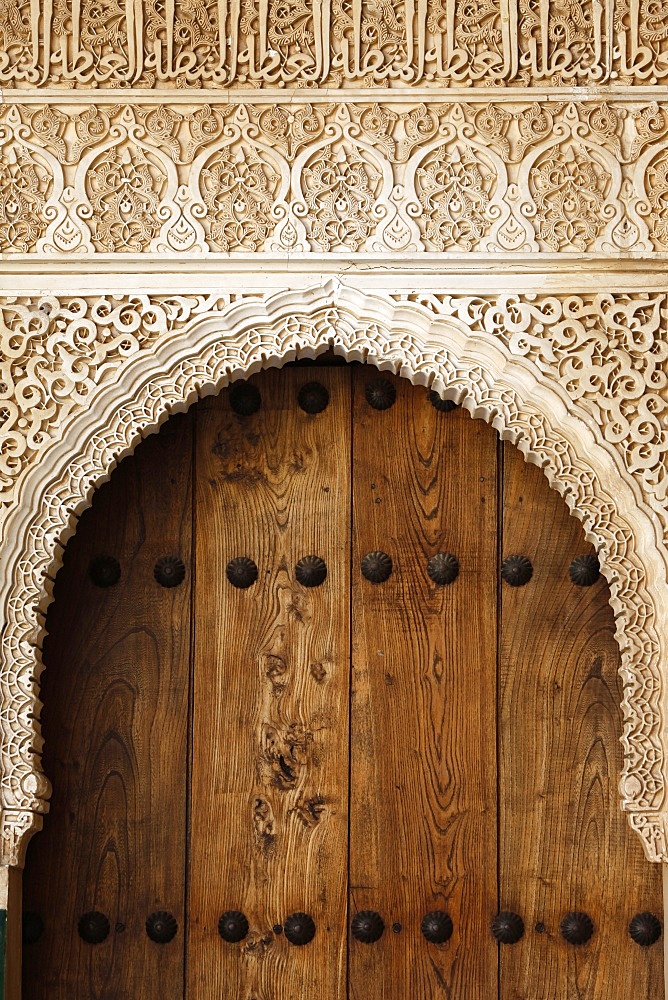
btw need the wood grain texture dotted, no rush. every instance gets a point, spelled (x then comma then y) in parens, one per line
(115, 692)
(271, 688)
(291, 809)
(564, 843)
(423, 766)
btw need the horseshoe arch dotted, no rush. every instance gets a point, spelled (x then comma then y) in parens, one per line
(487, 356)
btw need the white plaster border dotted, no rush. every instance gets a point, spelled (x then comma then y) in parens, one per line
(527, 405)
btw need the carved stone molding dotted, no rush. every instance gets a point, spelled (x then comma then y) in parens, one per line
(307, 43)
(578, 383)
(368, 178)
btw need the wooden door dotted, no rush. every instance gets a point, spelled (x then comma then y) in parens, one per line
(327, 716)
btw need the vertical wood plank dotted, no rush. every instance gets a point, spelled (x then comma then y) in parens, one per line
(271, 685)
(564, 843)
(423, 766)
(115, 692)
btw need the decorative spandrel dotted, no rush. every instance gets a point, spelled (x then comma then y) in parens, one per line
(311, 43)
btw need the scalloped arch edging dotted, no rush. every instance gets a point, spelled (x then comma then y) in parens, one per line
(485, 372)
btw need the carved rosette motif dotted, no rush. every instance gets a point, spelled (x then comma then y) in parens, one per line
(605, 355)
(358, 177)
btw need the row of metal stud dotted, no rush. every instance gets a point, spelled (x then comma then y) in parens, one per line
(366, 926)
(94, 927)
(313, 397)
(437, 927)
(442, 569)
(311, 571)
(105, 571)
(575, 927)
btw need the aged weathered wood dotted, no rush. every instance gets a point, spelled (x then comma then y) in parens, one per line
(271, 686)
(272, 702)
(564, 844)
(423, 743)
(115, 721)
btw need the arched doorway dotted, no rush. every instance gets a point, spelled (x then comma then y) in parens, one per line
(430, 730)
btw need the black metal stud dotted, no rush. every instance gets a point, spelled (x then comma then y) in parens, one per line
(161, 926)
(516, 570)
(584, 570)
(437, 927)
(233, 926)
(299, 928)
(576, 927)
(311, 571)
(442, 405)
(94, 927)
(241, 572)
(33, 928)
(104, 571)
(645, 929)
(380, 393)
(169, 571)
(313, 397)
(507, 927)
(443, 568)
(376, 566)
(367, 926)
(245, 399)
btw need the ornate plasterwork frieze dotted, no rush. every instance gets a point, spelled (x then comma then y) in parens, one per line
(307, 43)
(577, 382)
(361, 177)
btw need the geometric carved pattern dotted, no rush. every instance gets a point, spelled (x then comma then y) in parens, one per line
(364, 177)
(577, 382)
(306, 43)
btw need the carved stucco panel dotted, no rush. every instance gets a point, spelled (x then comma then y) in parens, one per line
(306, 43)
(85, 379)
(367, 177)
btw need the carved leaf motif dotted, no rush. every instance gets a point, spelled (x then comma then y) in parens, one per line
(340, 186)
(454, 188)
(238, 188)
(25, 184)
(569, 189)
(124, 189)
(656, 185)
(494, 144)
